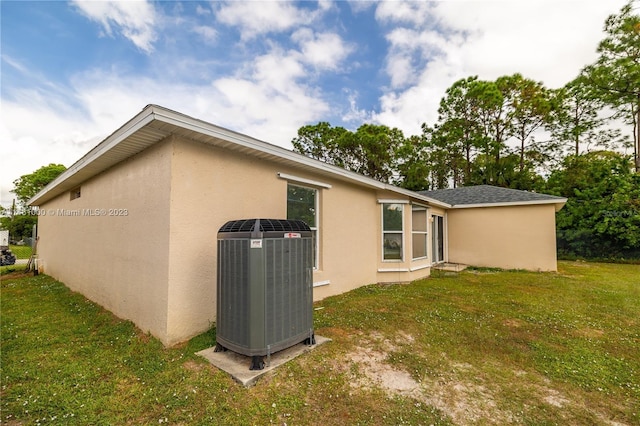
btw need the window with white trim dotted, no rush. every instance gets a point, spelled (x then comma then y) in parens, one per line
(302, 204)
(419, 227)
(392, 231)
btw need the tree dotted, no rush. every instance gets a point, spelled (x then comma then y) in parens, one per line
(371, 150)
(19, 226)
(29, 185)
(374, 149)
(460, 129)
(25, 187)
(529, 106)
(413, 164)
(602, 216)
(321, 142)
(476, 120)
(578, 120)
(616, 74)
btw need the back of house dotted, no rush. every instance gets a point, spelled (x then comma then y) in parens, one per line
(133, 224)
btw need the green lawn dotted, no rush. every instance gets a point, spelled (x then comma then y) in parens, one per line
(479, 347)
(21, 252)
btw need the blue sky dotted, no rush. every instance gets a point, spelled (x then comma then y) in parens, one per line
(73, 72)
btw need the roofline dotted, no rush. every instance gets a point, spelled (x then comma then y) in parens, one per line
(559, 201)
(204, 127)
(157, 113)
(137, 122)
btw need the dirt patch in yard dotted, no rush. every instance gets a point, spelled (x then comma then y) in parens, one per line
(459, 391)
(14, 275)
(464, 401)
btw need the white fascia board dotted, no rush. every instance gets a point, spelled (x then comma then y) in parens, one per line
(560, 201)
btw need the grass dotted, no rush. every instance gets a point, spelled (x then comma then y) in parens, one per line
(9, 269)
(21, 252)
(479, 347)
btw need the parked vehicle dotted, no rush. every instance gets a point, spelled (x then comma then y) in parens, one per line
(6, 256)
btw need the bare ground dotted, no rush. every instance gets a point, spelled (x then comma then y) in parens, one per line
(461, 393)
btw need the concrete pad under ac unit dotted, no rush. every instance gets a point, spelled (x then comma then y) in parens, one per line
(237, 365)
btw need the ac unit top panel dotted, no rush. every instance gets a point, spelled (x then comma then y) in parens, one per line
(263, 228)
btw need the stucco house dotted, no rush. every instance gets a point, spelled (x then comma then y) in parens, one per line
(133, 224)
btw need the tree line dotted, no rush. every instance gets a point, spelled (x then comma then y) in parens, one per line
(514, 132)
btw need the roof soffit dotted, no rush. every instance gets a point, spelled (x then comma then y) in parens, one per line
(155, 123)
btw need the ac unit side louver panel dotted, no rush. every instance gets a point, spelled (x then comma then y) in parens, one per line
(287, 313)
(233, 290)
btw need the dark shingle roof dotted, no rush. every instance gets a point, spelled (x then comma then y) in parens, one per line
(487, 195)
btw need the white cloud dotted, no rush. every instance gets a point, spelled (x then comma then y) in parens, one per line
(409, 12)
(408, 109)
(358, 6)
(255, 18)
(39, 134)
(322, 50)
(202, 10)
(135, 19)
(431, 45)
(546, 40)
(268, 99)
(355, 114)
(270, 102)
(208, 34)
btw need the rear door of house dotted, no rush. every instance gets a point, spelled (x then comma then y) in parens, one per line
(437, 238)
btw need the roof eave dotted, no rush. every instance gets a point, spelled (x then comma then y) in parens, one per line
(559, 202)
(277, 151)
(49, 191)
(74, 175)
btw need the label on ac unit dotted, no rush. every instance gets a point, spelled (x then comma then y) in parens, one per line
(256, 244)
(292, 235)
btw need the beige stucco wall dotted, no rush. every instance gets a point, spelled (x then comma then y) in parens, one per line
(118, 261)
(515, 237)
(211, 186)
(157, 265)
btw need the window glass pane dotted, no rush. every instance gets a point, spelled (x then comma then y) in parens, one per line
(437, 238)
(419, 220)
(392, 217)
(419, 245)
(301, 204)
(392, 246)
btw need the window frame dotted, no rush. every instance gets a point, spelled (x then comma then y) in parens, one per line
(438, 232)
(394, 232)
(414, 208)
(315, 230)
